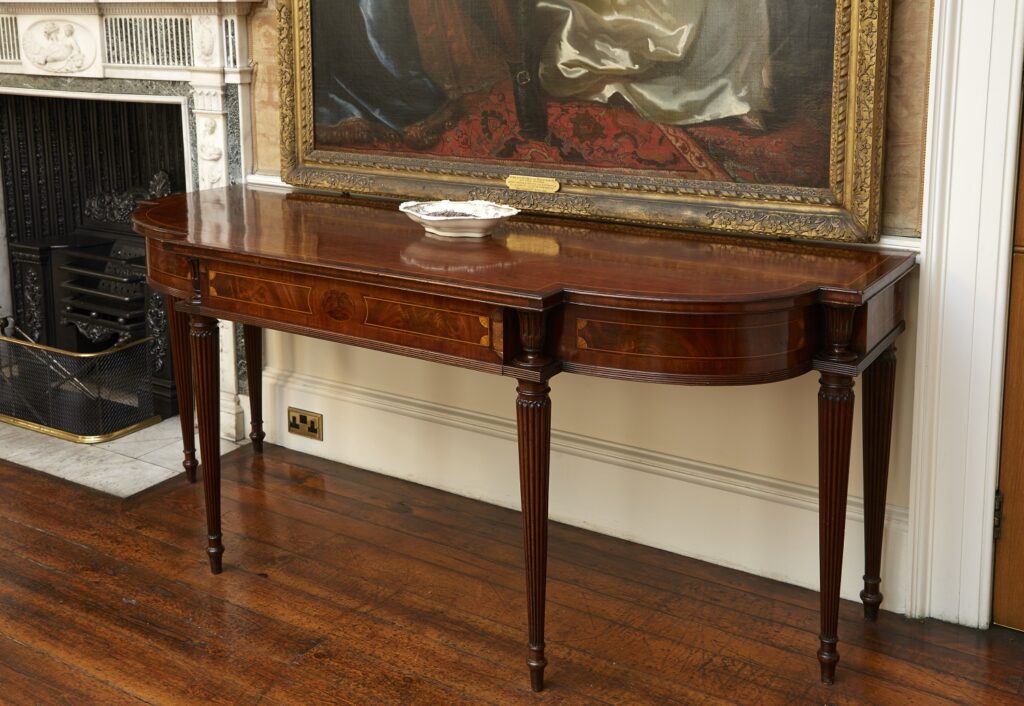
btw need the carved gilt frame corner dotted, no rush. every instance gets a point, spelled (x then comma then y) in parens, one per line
(849, 210)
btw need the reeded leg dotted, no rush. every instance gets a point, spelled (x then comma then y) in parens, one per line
(177, 324)
(835, 426)
(205, 366)
(879, 390)
(533, 418)
(253, 336)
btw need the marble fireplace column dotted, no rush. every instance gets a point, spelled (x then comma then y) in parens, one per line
(208, 83)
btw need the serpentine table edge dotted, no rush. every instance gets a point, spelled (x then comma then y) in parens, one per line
(539, 297)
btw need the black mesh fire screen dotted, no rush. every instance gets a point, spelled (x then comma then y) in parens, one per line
(87, 397)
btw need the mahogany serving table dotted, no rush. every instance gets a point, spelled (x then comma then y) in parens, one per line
(540, 297)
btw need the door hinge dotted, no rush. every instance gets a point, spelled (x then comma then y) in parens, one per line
(998, 522)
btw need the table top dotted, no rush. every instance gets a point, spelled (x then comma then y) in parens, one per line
(540, 259)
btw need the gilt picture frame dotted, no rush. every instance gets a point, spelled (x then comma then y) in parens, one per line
(749, 135)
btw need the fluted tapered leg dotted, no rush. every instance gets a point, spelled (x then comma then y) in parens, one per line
(206, 369)
(181, 361)
(879, 390)
(253, 336)
(533, 418)
(835, 426)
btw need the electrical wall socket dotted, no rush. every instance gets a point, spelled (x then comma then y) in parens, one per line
(308, 424)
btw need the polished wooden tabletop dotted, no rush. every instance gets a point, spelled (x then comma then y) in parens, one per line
(546, 260)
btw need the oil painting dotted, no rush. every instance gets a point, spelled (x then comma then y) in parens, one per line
(755, 116)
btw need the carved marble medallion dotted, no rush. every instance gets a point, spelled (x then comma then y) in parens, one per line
(206, 40)
(59, 46)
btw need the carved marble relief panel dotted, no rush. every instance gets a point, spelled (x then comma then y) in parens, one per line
(59, 45)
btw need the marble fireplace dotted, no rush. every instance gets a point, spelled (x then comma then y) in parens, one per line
(192, 56)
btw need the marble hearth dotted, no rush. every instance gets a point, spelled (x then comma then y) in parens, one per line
(122, 468)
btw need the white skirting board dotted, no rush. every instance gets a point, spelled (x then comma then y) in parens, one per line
(722, 515)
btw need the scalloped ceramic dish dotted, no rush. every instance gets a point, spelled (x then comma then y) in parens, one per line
(457, 219)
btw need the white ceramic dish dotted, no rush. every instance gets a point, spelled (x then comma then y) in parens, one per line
(457, 219)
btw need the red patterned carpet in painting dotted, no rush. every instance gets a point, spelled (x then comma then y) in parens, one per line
(612, 136)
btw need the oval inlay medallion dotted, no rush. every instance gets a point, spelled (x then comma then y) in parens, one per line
(338, 305)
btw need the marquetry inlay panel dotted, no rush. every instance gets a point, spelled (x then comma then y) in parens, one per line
(260, 292)
(428, 321)
(389, 316)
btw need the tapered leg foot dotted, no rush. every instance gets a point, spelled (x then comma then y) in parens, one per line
(871, 597)
(533, 417)
(215, 552)
(191, 464)
(828, 658)
(253, 336)
(177, 325)
(206, 367)
(537, 662)
(879, 391)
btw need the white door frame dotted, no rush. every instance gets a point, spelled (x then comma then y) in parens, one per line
(970, 180)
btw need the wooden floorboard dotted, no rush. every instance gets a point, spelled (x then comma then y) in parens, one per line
(347, 587)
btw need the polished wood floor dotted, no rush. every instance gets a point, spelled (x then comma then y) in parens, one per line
(346, 587)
